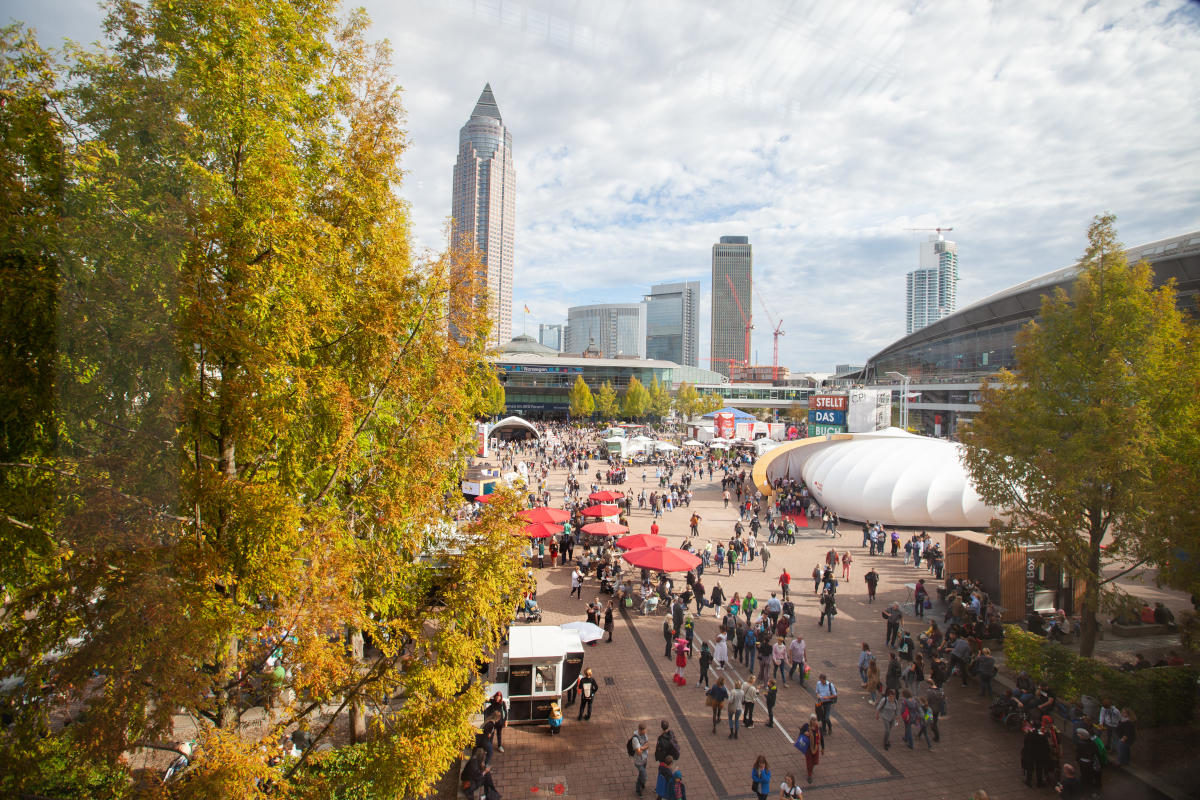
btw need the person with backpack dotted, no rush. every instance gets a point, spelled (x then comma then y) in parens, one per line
(666, 777)
(937, 705)
(716, 697)
(666, 744)
(810, 742)
(638, 748)
(910, 715)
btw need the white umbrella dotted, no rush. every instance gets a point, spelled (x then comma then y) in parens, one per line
(664, 446)
(691, 443)
(588, 632)
(718, 445)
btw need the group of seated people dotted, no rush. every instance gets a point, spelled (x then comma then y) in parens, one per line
(1147, 615)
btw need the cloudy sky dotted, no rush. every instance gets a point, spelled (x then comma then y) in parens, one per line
(822, 130)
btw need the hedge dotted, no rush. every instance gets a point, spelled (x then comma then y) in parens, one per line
(1159, 695)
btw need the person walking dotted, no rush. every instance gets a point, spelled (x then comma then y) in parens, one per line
(785, 583)
(847, 560)
(736, 696)
(886, 710)
(666, 777)
(816, 746)
(874, 685)
(608, 619)
(828, 610)
(765, 555)
(716, 698)
(760, 777)
(749, 698)
(816, 576)
(706, 659)
(667, 745)
(919, 597)
(789, 789)
(638, 747)
(826, 697)
(937, 706)
(872, 579)
(694, 523)
(893, 617)
(797, 653)
(910, 715)
(864, 661)
(587, 693)
(779, 659)
(497, 710)
(576, 583)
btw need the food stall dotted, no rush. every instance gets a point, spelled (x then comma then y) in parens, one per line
(480, 479)
(541, 663)
(1020, 581)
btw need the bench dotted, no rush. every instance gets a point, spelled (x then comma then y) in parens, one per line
(1144, 629)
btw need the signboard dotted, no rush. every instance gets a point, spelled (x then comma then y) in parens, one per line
(481, 439)
(723, 424)
(828, 402)
(824, 430)
(822, 417)
(870, 410)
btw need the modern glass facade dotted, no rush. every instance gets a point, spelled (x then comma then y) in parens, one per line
(551, 336)
(617, 329)
(931, 292)
(672, 322)
(732, 271)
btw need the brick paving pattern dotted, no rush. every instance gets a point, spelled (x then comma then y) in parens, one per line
(588, 760)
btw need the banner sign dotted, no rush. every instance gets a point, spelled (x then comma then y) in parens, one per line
(824, 430)
(870, 410)
(827, 417)
(829, 402)
(723, 424)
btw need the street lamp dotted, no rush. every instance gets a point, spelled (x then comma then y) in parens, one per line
(903, 398)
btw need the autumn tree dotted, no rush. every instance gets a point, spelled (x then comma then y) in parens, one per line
(259, 411)
(494, 400)
(687, 400)
(708, 403)
(607, 404)
(1070, 445)
(581, 400)
(660, 399)
(636, 400)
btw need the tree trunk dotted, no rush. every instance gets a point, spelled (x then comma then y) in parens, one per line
(228, 690)
(1091, 597)
(358, 712)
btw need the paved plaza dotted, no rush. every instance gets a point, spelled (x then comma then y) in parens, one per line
(589, 759)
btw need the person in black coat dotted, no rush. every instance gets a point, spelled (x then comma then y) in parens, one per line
(666, 744)
(1035, 756)
(478, 774)
(1088, 758)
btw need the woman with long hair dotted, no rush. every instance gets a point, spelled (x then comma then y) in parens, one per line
(760, 777)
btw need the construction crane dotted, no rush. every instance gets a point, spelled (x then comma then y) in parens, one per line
(777, 331)
(745, 319)
(939, 230)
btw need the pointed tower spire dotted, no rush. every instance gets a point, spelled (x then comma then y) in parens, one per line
(486, 106)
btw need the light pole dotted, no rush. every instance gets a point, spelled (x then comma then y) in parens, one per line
(903, 398)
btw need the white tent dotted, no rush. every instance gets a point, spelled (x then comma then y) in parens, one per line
(692, 443)
(665, 446)
(891, 476)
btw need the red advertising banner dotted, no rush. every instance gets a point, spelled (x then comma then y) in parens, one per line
(828, 402)
(723, 425)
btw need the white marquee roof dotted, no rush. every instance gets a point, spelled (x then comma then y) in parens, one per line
(888, 476)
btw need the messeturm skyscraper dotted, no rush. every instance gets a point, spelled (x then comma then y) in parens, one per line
(732, 266)
(484, 211)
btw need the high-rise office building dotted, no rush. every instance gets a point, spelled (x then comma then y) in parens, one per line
(673, 322)
(931, 291)
(616, 329)
(483, 207)
(732, 266)
(551, 336)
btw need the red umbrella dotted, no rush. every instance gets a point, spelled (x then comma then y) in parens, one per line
(605, 497)
(662, 559)
(601, 511)
(544, 514)
(636, 540)
(605, 529)
(485, 498)
(542, 530)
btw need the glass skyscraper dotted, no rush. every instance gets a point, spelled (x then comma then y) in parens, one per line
(617, 329)
(672, 322)
(931, 292)
(483, 208)
(732, 265)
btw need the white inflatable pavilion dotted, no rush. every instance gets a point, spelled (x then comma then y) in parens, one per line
(888, 476)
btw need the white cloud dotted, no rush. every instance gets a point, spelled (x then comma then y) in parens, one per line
(643, 131)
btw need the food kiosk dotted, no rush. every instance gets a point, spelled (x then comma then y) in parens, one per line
(541, 663)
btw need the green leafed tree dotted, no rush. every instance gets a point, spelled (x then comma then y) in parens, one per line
(258, 411)
(582, 404)
(1070, 445)
(636, 400)
(709, 403)
(607, 404)
(687, 400)
(494, 399)
(660, 399)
